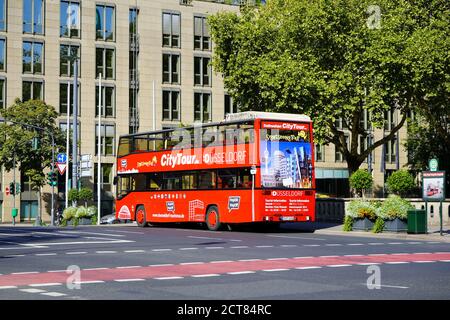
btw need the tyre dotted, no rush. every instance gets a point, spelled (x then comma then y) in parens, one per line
(141, 220)
(213, 219)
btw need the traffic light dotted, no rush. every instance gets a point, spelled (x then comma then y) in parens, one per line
(17, 188)
(52, 178)
(12, 188)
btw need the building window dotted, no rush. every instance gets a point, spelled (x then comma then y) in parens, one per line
(2, 93)
(3, 15)
(390, 148)
(319, 153)
(32, 90)
(364, 144)
(171, 105)
(338, 156)
(105, 176)
(104, 62)
(171, 68)
(63, 92)
(202, 39)
(33, 57)
(33, 16)
(65, 63)
(107, 139)
(340, 124)
(63, 128)
(104, 22)
(230, 105)
(69, 23)
(389, 120)
(2, 54)
(171, 30)
(202, 107)
(202, 71)
(108, 101)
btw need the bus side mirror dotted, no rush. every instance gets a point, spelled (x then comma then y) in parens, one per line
(115, 180)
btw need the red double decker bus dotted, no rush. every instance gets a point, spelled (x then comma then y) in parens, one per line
(253, 167)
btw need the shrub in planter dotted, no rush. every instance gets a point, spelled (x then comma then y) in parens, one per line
(394, 207)
(82, 212)
(85, 194)
(69, 213)
(361, 180)
(348, 223)
(360, 209)
(92, 211)
(400, 182)
(378, 225)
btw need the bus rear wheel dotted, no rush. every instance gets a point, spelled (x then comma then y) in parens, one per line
(212, 218)
(141, 220)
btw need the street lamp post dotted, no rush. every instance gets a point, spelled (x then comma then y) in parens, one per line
(75, 124)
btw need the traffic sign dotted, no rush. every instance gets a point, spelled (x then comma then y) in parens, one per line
(61, 167)
(433, 164)
(7, 191)
(61, 158)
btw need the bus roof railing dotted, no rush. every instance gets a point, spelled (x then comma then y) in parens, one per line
(251, 115)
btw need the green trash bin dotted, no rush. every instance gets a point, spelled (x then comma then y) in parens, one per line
(417, 221)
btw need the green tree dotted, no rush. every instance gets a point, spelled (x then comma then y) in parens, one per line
(85, 194)
(16, 140)
(400, 182)
(361, 181)
(331, 60)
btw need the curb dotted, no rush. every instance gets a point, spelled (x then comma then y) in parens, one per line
(402, 236)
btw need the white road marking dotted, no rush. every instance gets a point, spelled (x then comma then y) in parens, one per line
(289, 245)
(395, 242)
(89, 282)
(355, 244)
(77, 252)
(415, 242)
(376, 243)
(274, 259)
(8, 287)
(54, 294)
(308, 257)
(444, 260)
(422, 253)
(214, 247)
(424, 261)
(377, 254)
(221, 261)
(15, 255)
(311, 245)
(168, 278)
(91, 269)
(205, 275)
(368, 263)
(161, 265)
(249, 260)
(129, 280)
(300, 238)
(388, 286)
(136, 232)
(240, 272)
(274, 270)
(397, 262)
(333, 245)
(328, 256)
(46, 244)
(95, 233)
(207, 238)
(28, 272)
(190, 263)
(239, 247)
(306, 268)
(188, 249)
(338, 265)
(264, 246)
(107, 251)
(32, 290)
(50, 284)
(45, 254)
(160, 250)
(129, 267)
(353, 255)
(56, 270)
(134, 251)
(399, 254)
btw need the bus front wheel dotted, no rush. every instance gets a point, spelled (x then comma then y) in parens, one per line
(141, 220)
(212, 219)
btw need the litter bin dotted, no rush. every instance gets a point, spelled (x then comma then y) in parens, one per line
(417, 221)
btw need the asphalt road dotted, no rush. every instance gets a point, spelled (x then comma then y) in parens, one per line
(178, 263)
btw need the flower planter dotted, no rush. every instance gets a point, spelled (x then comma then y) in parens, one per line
(362, 224)
(396, 225)
(84, 221)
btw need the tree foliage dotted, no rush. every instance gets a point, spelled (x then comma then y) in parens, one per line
(333, 60)
(16, 139)
(400, 182)
(361, 180)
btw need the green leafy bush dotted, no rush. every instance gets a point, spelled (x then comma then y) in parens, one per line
(69, 213)
(400, 182)
(361, 180)
(94, 220)
(73, 195)
(82, 212)
(92, 211)
(394, 207)
(348, 223)
(85, 194)
(378, 226)
(360, 209)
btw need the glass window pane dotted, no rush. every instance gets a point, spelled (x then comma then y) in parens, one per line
(2, 15)
(175, 68)
(197, 70)
(197, 107)
(206, 72)
(26, 59)
(99, 61)
(176, 24)
(197, 26)
(166, 23)
(166, 68)
(27, 16)
(109, 23)
(99, 22)
(2, 54)
(166, 105)
(175, 105)
(37, 57)
(26, 91)
(63, 17)
(63, 98)
(38, 16)
(109, 63)
(37, 91)
(206, 109)
(109, 101)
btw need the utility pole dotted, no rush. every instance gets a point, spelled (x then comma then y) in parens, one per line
(66, 200)
(75, 125)
(99, 149)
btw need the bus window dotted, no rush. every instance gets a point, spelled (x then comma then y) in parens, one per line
(244, 178)
(172, 181)
(124, 147)
(156, 142)
(140, 144)
(189, 181)
(154, 181)
(247, 133)
(207, 180)
(226, 179)
(123, 186)
(231, 134)
(139, 182)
